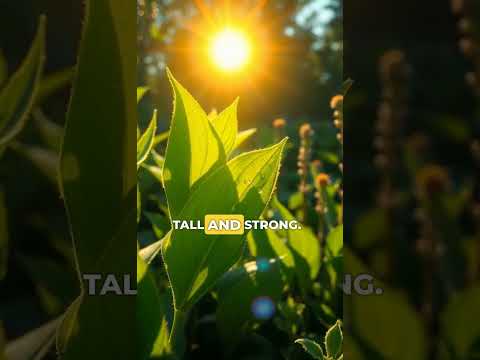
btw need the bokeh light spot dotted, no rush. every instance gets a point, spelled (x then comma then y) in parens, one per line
(263, 308)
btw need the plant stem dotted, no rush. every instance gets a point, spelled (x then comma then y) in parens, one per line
(177, 334)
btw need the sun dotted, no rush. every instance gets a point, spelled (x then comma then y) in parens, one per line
(230, 50)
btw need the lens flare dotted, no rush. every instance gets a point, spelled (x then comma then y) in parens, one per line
(263, 308)
(230, 50)
(263, 264)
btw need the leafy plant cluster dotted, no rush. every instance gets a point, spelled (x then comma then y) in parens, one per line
(266, 284)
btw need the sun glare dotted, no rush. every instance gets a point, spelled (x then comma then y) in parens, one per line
(230, 50)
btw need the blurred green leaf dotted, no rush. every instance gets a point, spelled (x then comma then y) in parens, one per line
(50, 132)
(243, 136)
(380, 312)
(335, 241)
(52, 83)
(46, 161)
(149, 314)
(18, 96)
(141, 91)
(460, 325)
(370, 228)
(33, 345)
(98, 177)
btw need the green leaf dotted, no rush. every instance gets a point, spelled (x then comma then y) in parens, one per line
(312, 348)
(161, 138)
(379, 313)
(145, 143)
(46, 161)
(98, 176)
(50, 132)
(3, 237)
(33, 345)
(334, 340)
(371, 227)
(162, 347)
(160, 224)
(141, 91)
(194, 260)
(226, 125)
(460, 325)
(52, 83)
(193, 148)
(149, 311)
(18, 96)
(304, 246)
(54, 283)
(237, 291)
(335, 241)
(150, 252)
(243, 136)
(267, 244)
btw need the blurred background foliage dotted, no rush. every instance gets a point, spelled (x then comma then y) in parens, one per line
(301, 70)
(411, 155)
(40, 280)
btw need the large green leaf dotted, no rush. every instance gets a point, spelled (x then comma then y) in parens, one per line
(98, 176)
(195, 261)
(193, 148)
(3, 237)
(18, 96)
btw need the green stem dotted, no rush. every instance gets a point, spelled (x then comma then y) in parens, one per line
(177, 335)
